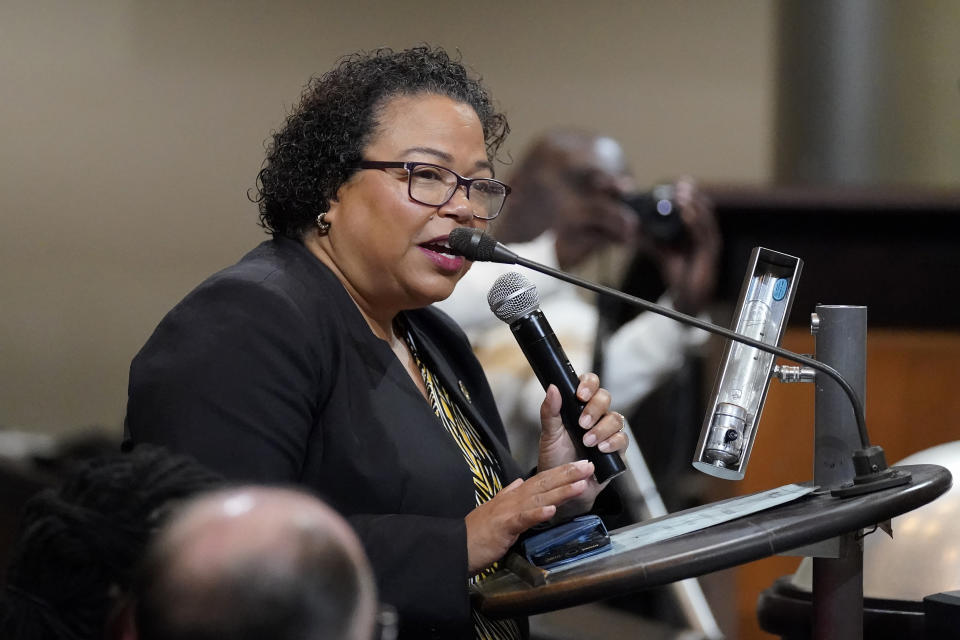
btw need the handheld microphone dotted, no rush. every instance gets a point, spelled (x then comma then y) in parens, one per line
(514, 299)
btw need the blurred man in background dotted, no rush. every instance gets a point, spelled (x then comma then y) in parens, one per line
(576, 206)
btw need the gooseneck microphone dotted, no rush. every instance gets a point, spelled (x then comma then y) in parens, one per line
(475, 245)
(515, 300)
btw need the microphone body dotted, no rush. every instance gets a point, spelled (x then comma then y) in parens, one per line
(549, 362)
(551, 366)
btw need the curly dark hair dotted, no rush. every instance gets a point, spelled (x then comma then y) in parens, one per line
(81, 542)
(312, 155)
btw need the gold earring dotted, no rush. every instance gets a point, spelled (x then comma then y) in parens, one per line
(323, 227)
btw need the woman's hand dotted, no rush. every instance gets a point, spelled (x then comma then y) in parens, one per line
(494, 526)
(602, 429)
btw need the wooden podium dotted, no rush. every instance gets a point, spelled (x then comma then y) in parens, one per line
(811, 519)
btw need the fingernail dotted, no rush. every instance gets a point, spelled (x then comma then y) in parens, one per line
(584, 421)
(589, 439)
(604, 446)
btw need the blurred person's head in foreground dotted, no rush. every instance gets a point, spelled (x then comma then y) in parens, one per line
(255, 562)
(80, 543)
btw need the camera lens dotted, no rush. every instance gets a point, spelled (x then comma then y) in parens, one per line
(658, 213)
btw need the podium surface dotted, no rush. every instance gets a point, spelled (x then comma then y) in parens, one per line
(810, 519)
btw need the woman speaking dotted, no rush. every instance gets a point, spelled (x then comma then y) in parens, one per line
(318, 360)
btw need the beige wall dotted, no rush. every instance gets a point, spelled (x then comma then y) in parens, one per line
(130, 132)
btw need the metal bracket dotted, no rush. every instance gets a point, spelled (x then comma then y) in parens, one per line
(792, 373)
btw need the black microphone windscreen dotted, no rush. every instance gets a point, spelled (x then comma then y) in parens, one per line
(472, 244)
(512, 296)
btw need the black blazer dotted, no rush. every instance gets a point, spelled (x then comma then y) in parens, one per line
(267, 372)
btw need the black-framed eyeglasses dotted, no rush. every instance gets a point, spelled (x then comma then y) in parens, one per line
(433, 185)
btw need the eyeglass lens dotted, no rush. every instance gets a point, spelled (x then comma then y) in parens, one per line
(434, 186)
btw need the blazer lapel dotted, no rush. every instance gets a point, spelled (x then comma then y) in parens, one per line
(438, 363)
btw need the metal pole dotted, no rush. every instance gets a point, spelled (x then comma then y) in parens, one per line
(841, 339)
(834, 124)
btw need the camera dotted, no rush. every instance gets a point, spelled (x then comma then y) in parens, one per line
(659, 214)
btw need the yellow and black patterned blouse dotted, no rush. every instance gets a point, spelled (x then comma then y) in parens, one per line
(487, 479)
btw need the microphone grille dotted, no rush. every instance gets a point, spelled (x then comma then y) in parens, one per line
(472, 244)
(512, 297)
